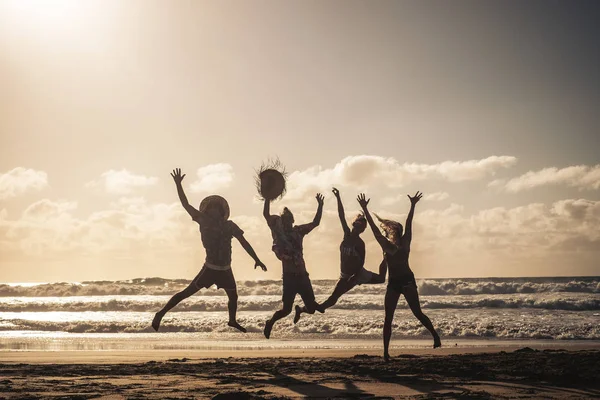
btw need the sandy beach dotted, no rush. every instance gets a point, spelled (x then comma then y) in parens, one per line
(269, 374)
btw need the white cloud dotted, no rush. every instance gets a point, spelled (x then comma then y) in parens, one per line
(365, 170)
(142, 234)
(121, 182)
(49, 227)
(435, 196)
(212, 178)
(20, 180)
(579, 176)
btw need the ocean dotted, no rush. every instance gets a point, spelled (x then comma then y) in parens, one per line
(104, 315)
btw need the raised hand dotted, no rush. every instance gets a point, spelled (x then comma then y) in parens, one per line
(320, 199)
(415, 199)
(176, 174)
(363, 201)
(261, 265)
(336, 192)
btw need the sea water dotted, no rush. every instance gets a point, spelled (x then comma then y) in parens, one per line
(104, 315)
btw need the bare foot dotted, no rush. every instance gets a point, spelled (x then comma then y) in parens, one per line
(156, 321)
(298, 313)
(268, 327)
(437, 342)
(234, 324)
(320, 308)
(386, 357)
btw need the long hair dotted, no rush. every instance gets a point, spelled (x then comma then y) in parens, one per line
(360, 217)
(393, 230)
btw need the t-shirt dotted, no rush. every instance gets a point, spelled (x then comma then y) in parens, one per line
(352, 254)
(287, 245)
(216, 238)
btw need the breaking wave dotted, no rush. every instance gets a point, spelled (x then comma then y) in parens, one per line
(427, 287)
(350, 301)
(335, 324)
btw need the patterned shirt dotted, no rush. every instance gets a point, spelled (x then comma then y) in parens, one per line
(216, 238)
(287, 245)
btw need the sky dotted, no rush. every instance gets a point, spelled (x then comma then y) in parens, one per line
(489, 108)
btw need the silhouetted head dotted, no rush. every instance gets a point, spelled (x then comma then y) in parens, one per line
(215, 206)
(359, 224)
(287, 218)
(391, 229)
(216, 211)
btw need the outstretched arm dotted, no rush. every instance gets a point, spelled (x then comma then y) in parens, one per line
(306, 228)
(385, 244)
(251, 252)
(319, 214)
(177, 177)
(408, 226)
(341, 213)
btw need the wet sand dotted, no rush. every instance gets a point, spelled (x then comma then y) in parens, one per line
(412, 373)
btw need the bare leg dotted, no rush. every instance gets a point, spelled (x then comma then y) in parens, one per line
(412, 298)
(176, 299)
(341, 287)
(379, 277)
(391, 301)
(232, 308)
(308, 309)
(308, 298)
(286, 309)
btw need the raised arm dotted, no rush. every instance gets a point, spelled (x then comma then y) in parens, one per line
(177, 177)
(267, 210)
(385, 244)
(317, 219)
(341, 213)
(408, 226)
(306, 228)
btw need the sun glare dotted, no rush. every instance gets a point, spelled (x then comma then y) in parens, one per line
(45, 15)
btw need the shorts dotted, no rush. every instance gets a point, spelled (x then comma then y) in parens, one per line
(399, 284)
(299, 283)
(362, 276)
(222, 278)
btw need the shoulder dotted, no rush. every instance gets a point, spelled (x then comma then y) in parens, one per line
(197, 216)
(304, 229)
(273, 219)
(234, 228)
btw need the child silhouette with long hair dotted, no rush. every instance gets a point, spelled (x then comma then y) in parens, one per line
(352, 259)
(396, 249)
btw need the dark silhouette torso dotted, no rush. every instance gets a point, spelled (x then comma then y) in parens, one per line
(398, 263)
(216, 239)
(352, 254)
